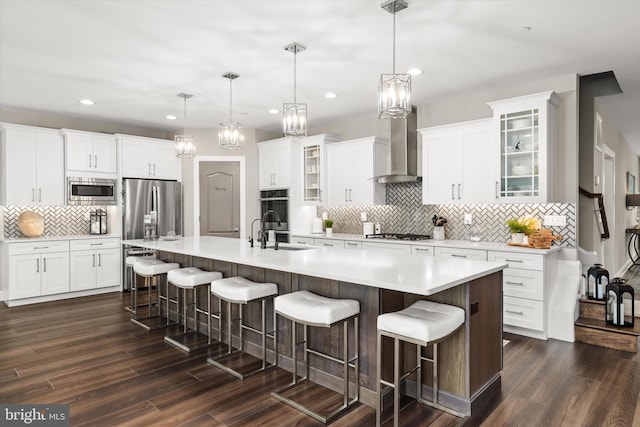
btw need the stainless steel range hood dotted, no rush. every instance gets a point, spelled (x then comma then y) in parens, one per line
(403, 150)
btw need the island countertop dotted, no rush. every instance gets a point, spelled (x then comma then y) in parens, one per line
(414, 274)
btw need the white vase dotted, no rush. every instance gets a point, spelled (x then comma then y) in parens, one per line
(438, 233)
(329, 231)
(517, 237)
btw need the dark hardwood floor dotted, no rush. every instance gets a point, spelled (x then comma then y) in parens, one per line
(86, 353)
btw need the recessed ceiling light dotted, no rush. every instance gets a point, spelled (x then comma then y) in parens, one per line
(86, 102)
(274, 111)
(414, 71)
(170, 117)
(330, 95)
(523, 30)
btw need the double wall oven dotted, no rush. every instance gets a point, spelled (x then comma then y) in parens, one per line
(278, 202)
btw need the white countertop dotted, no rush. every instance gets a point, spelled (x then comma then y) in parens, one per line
(466, 244)
(399, 272)
(65, 237)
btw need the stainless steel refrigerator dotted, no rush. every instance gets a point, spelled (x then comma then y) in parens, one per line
(139, 198)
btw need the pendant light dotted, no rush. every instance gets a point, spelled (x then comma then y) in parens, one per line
(394, 91)
(294, 115)
(185, 144)
(231, 134)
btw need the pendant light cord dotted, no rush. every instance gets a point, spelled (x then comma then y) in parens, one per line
(295, 54)
(230, 98)
(394, 41)
(184, 123)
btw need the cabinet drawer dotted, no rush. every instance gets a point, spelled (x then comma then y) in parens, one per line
(386, 247)
(524, 313)
(523, 283)
(329, 243)
(475, 254)
(350, 244)
(82, 245)
(422, 250)
(517, 260)
(302, 240)
(39, 247)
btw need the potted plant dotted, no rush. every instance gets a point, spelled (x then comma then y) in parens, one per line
(328, 227)
(519, 227)
(438, 227)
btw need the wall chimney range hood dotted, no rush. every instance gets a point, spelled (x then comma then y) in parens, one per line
(403, 146)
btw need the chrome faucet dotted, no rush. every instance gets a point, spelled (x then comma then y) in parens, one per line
(263, 234)
(251, 237)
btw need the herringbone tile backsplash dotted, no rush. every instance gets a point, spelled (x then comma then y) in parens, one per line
(405, 213)
(58, 220)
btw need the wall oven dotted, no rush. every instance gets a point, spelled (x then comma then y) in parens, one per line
(277, 201)
(91, 191)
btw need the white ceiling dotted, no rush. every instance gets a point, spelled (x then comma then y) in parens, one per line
(133, 57)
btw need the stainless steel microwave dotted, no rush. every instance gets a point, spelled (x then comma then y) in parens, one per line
(91, 191)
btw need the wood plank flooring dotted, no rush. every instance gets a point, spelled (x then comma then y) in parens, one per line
(86, 353)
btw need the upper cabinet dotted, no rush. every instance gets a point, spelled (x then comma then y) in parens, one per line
(274, 163)
(90, 153)
(455, 159)
(350, 167)
(524, 131)
(148, 158)
(32, 166)
(314, 171)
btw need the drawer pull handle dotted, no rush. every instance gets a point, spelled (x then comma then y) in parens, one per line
(41, 247)
(458, 256)
(514, 260)
(515, 312)
(328, 244)
(95, 244)
(352, 244)
(421, 250)
(514, 283)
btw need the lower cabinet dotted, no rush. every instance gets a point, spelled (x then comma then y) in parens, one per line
(94, 264)
(463, 253)
(329, 243)
(38, 269)
(386, 247)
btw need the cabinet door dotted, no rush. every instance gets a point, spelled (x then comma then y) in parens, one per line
(136, 160)
(79, 154)
(24, 276)
(339, 174)
(283, 164)
(312, 174)
(360, 187)
(266, 165)
(475, 254)
(476, 168)
(108, 268)
(165, 164)
(386, 247)
(21, 165)
(50, 172)
(104, 154)
(55, 273)
(442, 182)
(82, 270)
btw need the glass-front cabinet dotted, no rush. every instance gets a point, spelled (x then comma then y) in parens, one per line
(525, 129)
(314, 174)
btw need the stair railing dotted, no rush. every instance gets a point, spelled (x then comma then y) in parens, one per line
(601, 215)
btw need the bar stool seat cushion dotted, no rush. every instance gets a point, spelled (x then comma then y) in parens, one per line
(307, 307)
(423, 321)
(242, 290)
(151, 267)
(132, 259)
(190, 277)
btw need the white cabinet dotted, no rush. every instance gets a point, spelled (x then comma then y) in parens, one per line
(423, 250)
(524, 132)
(461, 253)
(352, 244)
(457, 161)
(329, 243)
(386, 247)
(350, 167)
(314, 171)
(526, 286)
(37, 269)
(274, 163)
(88, 152)
(299, 240)
(148, 158)
(94, 263)
(32, 166)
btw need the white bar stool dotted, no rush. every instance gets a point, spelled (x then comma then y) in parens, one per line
(130, 281)
(241, 291)
(309, 309)
(190, 278)
(422, 323)
(152, 270)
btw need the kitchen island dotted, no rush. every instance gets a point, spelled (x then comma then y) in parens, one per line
(471, 360)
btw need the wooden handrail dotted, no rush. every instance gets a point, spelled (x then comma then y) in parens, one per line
(601, 216)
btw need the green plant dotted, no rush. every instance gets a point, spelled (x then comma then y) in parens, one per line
(328, 223)
(520, 225)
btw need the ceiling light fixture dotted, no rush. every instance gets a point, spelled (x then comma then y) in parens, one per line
(414, 71)
(330, 95)
(273, 111)
(231, 134)
(86, 102)
(185, 144)
(394, 91)
(170, 117)
(294, 115)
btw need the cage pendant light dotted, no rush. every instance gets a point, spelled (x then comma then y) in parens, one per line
(185, 144)
(294, 115)
(394, 90)
(231, 134)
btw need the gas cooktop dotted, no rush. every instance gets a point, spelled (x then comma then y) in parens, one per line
(398, 236)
